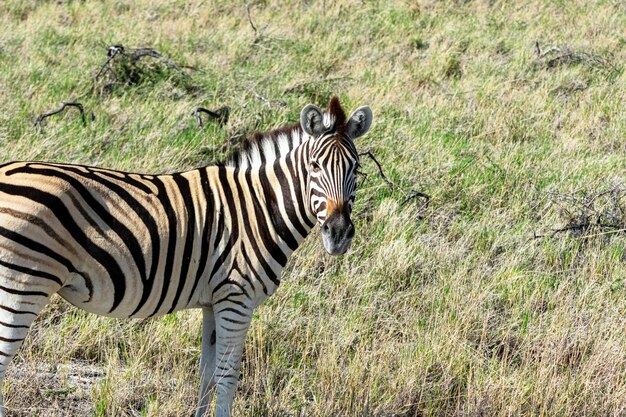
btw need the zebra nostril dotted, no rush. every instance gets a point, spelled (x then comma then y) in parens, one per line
(350, 232)
(325, 227)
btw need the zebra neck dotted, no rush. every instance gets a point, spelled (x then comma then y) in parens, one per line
(282, 188)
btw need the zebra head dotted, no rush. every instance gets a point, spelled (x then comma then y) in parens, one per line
(332, 165)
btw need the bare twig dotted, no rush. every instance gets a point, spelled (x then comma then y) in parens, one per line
(363, 177)
(370, 155)
(549, 51)
(111, 54)
(256, 31)
(613, 228)
(137, 54)
(134, 55)
(221, 115)
(586, 212)
(263, 99)
(417, 195)
(608, 232)
(568, 56)
(268, 101)
(258, 34)
(64, 105)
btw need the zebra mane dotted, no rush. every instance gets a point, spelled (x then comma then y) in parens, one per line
(266, 147)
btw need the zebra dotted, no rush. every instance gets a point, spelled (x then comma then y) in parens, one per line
(131, 245)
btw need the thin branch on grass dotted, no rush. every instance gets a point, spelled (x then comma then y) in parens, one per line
(363, 176)
(64, 105)
(258, 34)
(139, 53)
(134, 55)
(411, 196)
(585, 212)
(417, 195)
(543, 54)
(568, 56)
(221, 115)
(614, 228)
(263, 99)
(249, 13)
(111, 54)
(609, 232)
(268, 101)
(370, 155)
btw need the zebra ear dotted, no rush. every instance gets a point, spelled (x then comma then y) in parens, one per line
(360, 122)
(312, 120)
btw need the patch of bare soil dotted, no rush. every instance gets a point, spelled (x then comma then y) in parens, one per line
(48, 390)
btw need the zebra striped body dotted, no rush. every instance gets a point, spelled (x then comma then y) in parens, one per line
(134, 245)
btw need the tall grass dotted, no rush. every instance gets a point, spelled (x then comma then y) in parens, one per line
(453, 308)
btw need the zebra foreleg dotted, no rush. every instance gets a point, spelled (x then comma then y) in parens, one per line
(18, 309)
(231, 328)
(207, 362)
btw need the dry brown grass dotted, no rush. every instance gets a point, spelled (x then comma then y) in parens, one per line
(453, 309)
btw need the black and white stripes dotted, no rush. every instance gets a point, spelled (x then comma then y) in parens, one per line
(217, 238)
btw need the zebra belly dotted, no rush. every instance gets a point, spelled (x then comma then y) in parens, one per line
(98, 296)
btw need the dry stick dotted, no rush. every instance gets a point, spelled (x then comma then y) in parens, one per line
(221, 115)
(111, 54)
(616, 229)
(364, 175)
(135, 55)
(380, 168)
(604, 233)
(65, 104)
(258, 34)
(417, 194)
(153, 53)
(591, 217)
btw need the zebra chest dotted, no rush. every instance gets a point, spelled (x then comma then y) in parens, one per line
(240, 282)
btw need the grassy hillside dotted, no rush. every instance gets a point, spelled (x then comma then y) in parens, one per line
(505, 295)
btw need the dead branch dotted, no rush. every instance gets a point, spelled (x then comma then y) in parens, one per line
(567, 56)
(580, 228)
(256, 31)
(258, 34)
(221, 115)
(268, 101)
(134, 55)
(138, 53)
(370, 155)
(417, 195)
(111, 54)
(64, 105)
(568, 89)
(589, 214)
(363, 176)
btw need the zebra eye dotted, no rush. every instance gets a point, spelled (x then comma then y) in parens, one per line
(315, 168)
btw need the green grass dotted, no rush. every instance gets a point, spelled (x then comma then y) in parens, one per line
(449, 309)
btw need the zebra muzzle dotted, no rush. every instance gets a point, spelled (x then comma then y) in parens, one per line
(337, 233)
